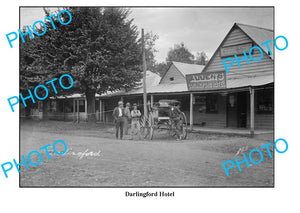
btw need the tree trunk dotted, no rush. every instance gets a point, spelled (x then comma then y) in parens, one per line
(90, 97)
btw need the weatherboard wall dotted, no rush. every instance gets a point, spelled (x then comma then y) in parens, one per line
(174, 73)
(237, 37)
(263, 67)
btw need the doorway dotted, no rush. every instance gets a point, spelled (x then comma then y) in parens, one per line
(237, 110)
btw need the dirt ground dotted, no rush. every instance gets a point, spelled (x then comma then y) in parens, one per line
(195, 162)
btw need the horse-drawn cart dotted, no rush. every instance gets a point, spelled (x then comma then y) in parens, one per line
(165, 114)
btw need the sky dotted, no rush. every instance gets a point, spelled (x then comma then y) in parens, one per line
(200, 29)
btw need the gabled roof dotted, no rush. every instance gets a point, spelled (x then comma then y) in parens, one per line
(186, 69)
(259, 35)
(152, 79)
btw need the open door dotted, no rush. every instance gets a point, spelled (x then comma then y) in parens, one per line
(232, 110)
(242, 109)
(237, 110)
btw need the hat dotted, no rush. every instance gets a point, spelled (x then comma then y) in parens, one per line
(127, 104)
(134, 104)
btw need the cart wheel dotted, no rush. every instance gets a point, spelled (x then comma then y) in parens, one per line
(183, 125)
(147, 127)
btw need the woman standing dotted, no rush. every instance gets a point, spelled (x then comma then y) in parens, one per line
(127, 118)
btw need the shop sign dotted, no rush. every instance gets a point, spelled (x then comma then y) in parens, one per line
(206, 81)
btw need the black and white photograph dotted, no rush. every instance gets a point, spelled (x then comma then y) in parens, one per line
(146, 96)
(149, 106)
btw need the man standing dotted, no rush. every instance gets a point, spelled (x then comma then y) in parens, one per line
(135, 121)
(118, 115)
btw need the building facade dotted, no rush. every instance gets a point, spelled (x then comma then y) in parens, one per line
(246, 100)
(243, 98)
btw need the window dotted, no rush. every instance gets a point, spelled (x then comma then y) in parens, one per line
(264, 100)
(200, 103)
(52, 106)
(69, 105)
(206, 103)
(172, 79)
(211, 103)
(81, 106)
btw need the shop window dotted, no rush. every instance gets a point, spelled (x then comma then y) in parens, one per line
(200, 103)
(265, 101)
(211, 103)
(68, 106)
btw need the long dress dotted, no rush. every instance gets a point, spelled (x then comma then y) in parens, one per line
(127, 120)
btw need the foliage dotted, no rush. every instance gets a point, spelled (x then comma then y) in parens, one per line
(150, 39)
(99, 49)
(180, 54)
(201, 58)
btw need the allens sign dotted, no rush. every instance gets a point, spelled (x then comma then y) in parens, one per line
(206, 81)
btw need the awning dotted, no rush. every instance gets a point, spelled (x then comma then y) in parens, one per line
(249, 81)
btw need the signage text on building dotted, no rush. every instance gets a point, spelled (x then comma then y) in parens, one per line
(206, 81)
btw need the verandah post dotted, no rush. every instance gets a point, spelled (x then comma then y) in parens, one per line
(252, 92)
(74, 109)
(191, 110)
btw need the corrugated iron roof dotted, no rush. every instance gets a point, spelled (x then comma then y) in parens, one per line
(180, 88)
(152, 79)
(161, 88)
(172, 88)
(249, 81)
(259, 35)
(186, 69)
(76, 95)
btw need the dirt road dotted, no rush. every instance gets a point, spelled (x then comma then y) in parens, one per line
(195, 162)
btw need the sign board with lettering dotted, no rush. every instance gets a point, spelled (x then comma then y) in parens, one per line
(235, 50)
(206, 81)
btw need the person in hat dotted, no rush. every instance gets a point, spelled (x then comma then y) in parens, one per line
(135, 121)
(119, 115)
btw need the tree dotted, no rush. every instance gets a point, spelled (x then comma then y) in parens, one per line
(161, 68)
(150, 50)
(201, 58)
(99, 49)
(180, 54)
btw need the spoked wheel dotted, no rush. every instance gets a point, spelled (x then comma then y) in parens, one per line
(147, 127)
(183, 125)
